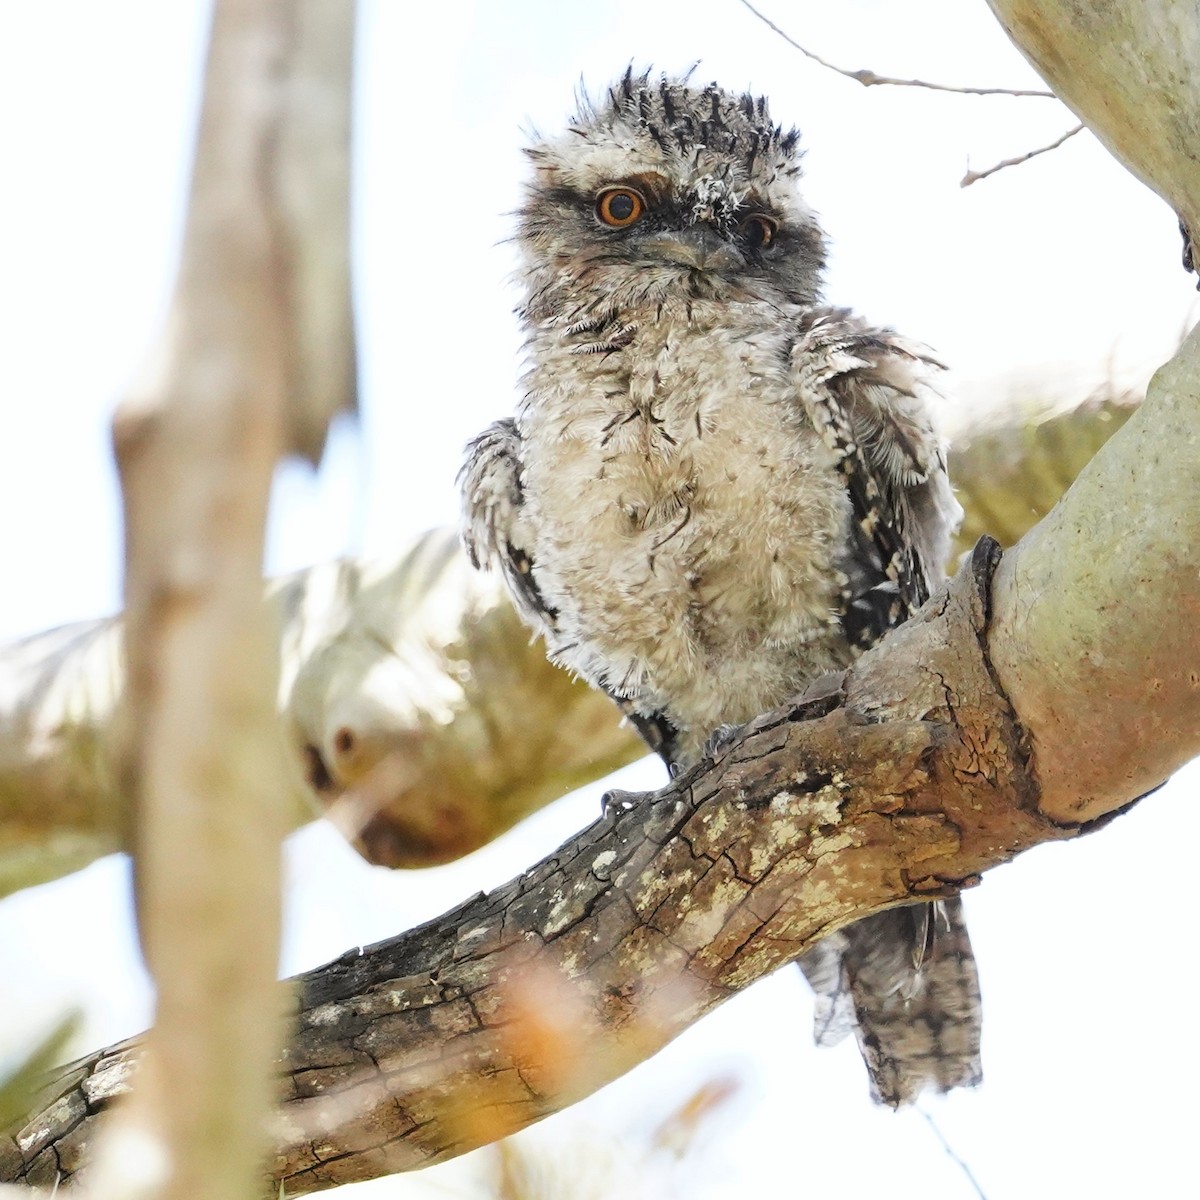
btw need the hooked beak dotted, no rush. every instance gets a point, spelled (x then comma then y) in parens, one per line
(698, 246)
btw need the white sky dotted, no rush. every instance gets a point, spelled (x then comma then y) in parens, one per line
(1066, 261)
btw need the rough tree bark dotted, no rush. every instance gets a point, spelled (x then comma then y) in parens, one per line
(906, 777)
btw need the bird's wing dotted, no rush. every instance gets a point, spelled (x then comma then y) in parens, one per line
(905, 980)
(495, 533)
(866, 393)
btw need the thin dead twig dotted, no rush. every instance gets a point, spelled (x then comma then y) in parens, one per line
(951, 1153)
(975, 176)
(870, 79)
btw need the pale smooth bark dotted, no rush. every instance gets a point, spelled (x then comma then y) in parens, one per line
(1104, 597)
(414, 709)
(1096, 639)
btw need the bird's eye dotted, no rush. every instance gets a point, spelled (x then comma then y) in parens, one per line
(619, 207)
(758, 231)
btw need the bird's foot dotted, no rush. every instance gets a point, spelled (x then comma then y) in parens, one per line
(720, 740)
(615, 801)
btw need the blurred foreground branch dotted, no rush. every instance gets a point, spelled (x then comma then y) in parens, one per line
(256, 357)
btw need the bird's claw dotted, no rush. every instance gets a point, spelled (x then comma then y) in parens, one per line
(720, 740)
(616, 801)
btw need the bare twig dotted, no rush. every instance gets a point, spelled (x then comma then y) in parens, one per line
(951, 1153)
(1128, 69)
(870, 79)
(975, 176)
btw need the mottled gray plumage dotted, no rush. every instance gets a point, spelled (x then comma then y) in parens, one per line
(716, 488)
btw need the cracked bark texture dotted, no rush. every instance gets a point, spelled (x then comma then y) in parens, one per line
(905, 777)
(908, 776)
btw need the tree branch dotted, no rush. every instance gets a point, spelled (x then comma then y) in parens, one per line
(904, 778)
(458, 726)
(1011, 469)
(1102, 604)
(1128, 71)
(869, 78)
(971, 733)
(417, 714)
(197, 443)
(975, 176)
(907, 777)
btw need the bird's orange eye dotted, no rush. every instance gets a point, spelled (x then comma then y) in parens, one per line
(758, 231)
(619, 207)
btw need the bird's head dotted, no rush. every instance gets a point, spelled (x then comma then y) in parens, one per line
(668, 191)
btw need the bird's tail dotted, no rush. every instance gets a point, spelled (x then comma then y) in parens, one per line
(905, 982)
